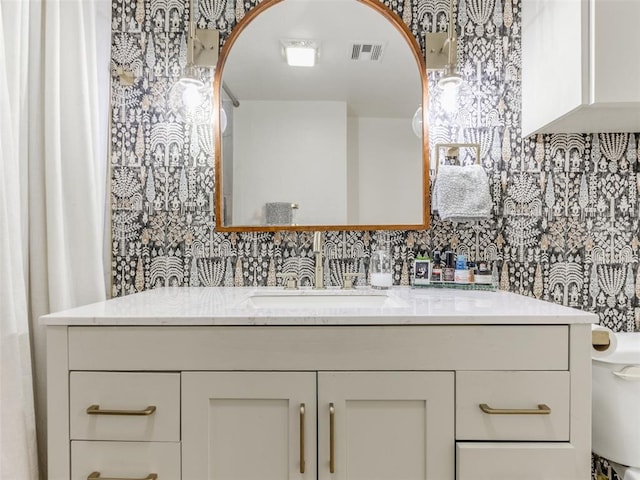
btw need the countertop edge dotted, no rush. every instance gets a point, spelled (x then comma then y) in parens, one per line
(319, 321)
(228, 306)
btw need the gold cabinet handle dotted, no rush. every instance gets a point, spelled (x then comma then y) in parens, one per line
(96, 475)
(332, 457)
(95, 410)
(541, 410)
(302, 465)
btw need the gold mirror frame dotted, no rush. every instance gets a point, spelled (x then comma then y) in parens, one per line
(396, 21)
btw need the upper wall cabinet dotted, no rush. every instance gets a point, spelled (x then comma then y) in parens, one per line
(580, 71)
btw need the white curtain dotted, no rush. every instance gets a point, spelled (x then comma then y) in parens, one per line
(17, 430)
(54, 71)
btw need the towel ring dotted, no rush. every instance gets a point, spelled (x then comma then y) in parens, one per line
(456, 146)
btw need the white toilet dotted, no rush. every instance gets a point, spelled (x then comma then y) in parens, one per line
(616, 406)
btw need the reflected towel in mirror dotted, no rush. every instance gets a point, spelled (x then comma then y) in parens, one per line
(279, 213)
(461, 193)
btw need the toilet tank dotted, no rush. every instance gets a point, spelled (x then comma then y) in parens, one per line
(616, 402)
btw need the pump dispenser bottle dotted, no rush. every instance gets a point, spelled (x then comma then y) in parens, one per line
(380, 266)
(448, 271)
(436, 271)
(381, 275)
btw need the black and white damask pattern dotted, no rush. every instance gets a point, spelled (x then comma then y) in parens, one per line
(565, 223)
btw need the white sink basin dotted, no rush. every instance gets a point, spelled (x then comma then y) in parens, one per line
(320, 299)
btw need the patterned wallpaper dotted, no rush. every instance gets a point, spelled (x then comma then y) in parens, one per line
(565, 223)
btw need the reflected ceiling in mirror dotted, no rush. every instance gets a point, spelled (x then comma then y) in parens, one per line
(329, 146)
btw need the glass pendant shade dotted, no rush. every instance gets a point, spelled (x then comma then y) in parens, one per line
(450, 78)
(416, 122)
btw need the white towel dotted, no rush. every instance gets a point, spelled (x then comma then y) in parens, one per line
(461, 194)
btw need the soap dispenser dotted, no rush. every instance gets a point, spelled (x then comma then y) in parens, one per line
(381, 270)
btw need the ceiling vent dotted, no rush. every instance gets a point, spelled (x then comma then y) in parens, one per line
(367, 51)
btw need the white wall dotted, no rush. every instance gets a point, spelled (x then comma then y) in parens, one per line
(227, 161)
(353, 171)
(393, 158)
(290, 141)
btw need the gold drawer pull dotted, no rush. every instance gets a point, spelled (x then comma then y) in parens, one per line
(332, 444)
(302, 463)
(541, 410)
(96, 475)
(95, 410)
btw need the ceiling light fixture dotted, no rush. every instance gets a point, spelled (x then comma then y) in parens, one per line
(300, 53)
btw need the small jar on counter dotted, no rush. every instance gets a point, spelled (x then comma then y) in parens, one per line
(471, 266)
(483, 275)
(461, 273)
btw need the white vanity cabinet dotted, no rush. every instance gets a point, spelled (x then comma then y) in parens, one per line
(578, 71)
(383, 425)
(344, 398)
(124, 425)
(515, 424)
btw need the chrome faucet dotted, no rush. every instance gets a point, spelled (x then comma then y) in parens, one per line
(318, 247)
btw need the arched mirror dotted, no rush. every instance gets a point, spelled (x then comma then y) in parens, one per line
(323, 147)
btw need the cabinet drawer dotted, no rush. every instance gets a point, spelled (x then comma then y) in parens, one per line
(514, 404)
(521, 461)
(347, 348)
(125, 460)
(125, 402)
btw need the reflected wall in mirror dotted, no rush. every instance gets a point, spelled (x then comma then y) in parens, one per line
(329, 146)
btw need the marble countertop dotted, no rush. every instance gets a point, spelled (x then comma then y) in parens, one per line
(239, 306)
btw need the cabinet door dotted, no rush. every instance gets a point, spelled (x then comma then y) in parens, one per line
(248, 425)
(613, 23)
(385, 425)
